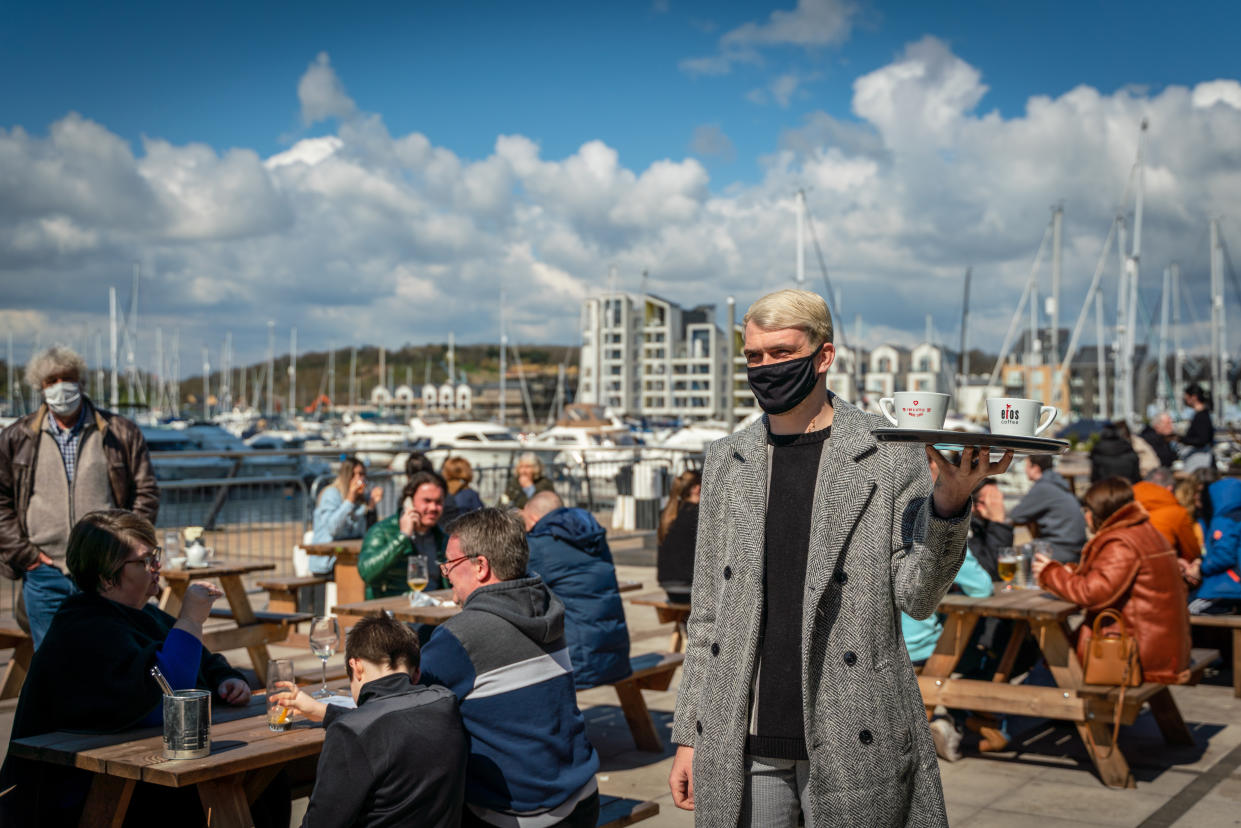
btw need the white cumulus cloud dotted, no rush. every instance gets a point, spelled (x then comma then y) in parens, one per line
(367, 236)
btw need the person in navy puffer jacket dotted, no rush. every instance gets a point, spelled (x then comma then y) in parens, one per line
(569, 550)
(1221, 563)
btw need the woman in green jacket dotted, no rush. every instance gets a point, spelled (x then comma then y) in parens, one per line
(388, 544)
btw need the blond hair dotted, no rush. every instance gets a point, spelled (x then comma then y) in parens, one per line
(791, 308)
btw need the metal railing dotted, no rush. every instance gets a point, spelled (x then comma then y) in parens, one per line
(262, 518)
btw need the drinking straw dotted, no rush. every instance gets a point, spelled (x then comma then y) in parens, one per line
(163, 682)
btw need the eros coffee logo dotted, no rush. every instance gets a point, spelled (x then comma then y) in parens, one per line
(1010, 415)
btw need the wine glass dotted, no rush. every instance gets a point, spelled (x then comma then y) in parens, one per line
(416, 576)
(324, 639)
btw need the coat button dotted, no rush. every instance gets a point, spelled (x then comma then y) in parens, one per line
(728, 572)
(698, 727)
(841, 578)
(865, 737)
(850, 658)
(715, 649)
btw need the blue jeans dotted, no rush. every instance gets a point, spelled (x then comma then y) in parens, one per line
(44, 589)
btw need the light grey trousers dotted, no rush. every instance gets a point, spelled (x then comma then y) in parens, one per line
(775, 793)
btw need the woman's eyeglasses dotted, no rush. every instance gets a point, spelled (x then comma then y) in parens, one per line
(151, 560)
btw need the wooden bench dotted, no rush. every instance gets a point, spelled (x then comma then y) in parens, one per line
(616, 811)
(667, 613)
(268, 628)
(1230, 622)
(18, 640)
(651, 671)
(291, 594)
(1167, 715)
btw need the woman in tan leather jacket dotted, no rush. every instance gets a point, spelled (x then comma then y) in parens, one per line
(1127, 566)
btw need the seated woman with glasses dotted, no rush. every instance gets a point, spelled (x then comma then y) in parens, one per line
(93, 672)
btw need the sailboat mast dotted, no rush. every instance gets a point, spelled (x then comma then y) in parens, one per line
(270, 402)
(157, 398)
(1178, 369)
(1218, 336)
(226, 372)
(801, 237)
(206, 385)
(1164, 394)
(504, 364)
(965, 323)
(114, 396)
(353, 377)
(292, 371)
(331, 376)
(1057, 263)
(10, 407)
(1100, 360)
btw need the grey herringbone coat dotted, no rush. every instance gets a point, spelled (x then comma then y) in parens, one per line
(875, 549)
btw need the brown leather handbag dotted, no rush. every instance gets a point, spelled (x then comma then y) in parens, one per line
(1112, 659)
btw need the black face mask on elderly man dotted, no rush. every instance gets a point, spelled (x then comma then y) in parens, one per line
(781, 386)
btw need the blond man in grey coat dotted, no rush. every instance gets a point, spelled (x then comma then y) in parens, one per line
(798, 698)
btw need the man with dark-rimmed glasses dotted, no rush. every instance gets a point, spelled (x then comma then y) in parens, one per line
(505, 658)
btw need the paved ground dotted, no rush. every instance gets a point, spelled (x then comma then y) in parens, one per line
(1045, 783)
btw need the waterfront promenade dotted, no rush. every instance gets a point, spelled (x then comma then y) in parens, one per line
(1046, 782)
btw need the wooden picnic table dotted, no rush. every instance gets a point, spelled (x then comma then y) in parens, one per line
(245, 757)
(251, 632)
(350, 588)
(1089, 708)
(399, 606)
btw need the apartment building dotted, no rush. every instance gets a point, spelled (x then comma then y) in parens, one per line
(643, 355)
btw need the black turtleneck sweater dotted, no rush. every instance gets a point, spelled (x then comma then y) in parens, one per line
(778, 726)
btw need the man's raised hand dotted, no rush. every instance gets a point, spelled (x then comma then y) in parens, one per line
(957, 483)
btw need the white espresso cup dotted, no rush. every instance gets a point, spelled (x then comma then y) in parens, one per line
(915, 409)
(1014, 417)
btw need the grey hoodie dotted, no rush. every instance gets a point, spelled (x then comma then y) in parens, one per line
(1052, 507)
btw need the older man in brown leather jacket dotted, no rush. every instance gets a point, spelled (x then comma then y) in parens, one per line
(66, 459)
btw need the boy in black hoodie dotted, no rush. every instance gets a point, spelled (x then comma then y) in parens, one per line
(399, 759)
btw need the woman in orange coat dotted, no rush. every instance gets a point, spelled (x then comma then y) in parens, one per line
(1127, 566)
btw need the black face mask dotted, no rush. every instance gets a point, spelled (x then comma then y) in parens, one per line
(779, 387)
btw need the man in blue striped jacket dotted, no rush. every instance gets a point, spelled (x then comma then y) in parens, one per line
(505, 658)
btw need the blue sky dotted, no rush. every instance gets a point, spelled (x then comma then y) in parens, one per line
(345, 170)
(561, 73)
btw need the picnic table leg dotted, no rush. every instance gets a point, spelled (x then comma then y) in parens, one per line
(1236, 664)
(1168, 717)
(243, 613)
(224, 802)
(676, 644)
(107, 802)
(15, 672)
(641, 725)
(170, 599)
(958, 628)
(1020, 628)
(1096, 734)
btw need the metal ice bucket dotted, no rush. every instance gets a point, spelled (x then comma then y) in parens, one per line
(187, 724)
